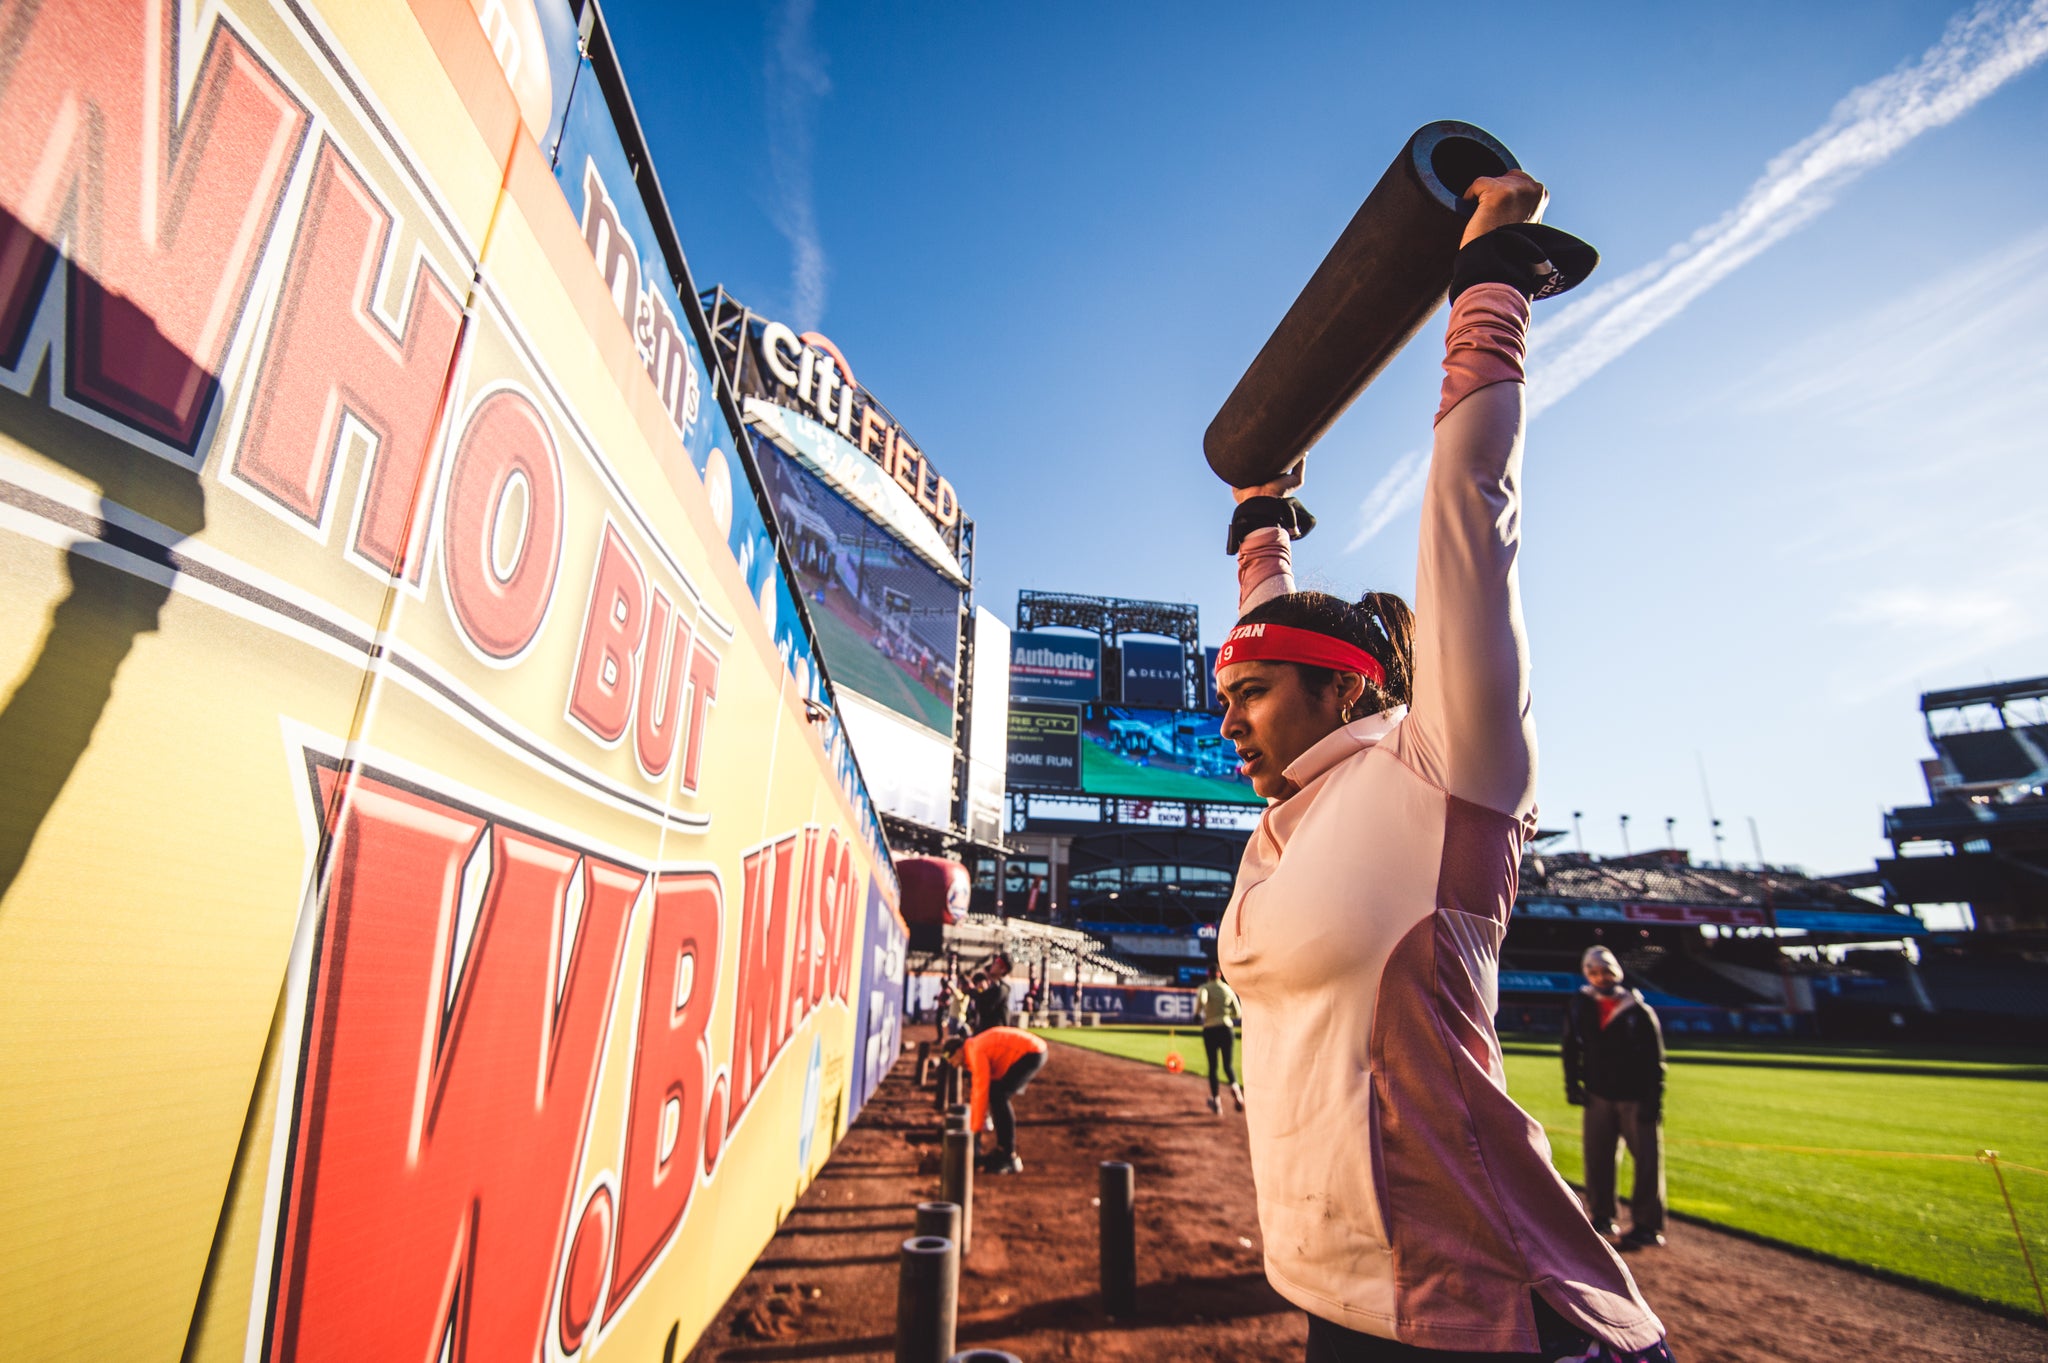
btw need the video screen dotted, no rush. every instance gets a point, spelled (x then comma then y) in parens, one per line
(1160, 754)
(889, 624)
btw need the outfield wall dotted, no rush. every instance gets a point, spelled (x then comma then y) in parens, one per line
(439, 912)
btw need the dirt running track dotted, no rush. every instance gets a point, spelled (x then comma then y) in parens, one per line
(825, 1288)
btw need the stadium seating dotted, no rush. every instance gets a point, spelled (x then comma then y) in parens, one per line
(1993, 756)
(1978, 982)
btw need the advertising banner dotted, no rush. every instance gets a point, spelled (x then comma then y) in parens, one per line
(1160, 754)
(1210, 700)
(888, 624)
(1238, 818)
(988, 735)
(878, 1007)
(908, 768)
(1055, 667)
(1045, 746)
(410, 773)
(1154, 674)
(1539, 982)
(1138, 944)
(1880, 923)
(1126, 1002)
(1727, 915)
(597, 176)
(1153, 813)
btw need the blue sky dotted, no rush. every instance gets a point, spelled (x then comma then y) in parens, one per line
(1050, 238)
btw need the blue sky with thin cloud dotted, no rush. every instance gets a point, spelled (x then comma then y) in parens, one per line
(1785, 471)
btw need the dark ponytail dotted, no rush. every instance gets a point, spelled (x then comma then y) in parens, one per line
(1380, 623)
(1390, 633)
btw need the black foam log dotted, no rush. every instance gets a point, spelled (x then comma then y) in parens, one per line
(927, 1299)
(956, 1182)
(939, 1220)
(1372, 293)
(1119, 1237)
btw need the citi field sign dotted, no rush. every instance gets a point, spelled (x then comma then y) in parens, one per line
(812, 376)
(440, 916)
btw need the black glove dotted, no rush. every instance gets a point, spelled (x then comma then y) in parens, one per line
(1256, 513)
(1539, 261)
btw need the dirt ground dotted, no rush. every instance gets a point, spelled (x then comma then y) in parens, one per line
(825, 1288)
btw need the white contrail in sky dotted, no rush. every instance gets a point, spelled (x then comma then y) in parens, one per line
(796, 80)
(1979, 52)
(1398, 489)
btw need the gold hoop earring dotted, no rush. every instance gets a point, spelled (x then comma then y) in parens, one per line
(1344, 715)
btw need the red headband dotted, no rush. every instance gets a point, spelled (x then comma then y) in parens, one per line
(1286, 644)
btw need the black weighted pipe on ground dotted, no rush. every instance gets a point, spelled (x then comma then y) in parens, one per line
(1372, 293)
(940, 1220)
(927, 1299)
(956, 1182)
(1119, 1238)
(949, 1088)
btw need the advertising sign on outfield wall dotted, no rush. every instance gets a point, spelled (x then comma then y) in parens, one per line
(878, 1009)
(440, 913)
(1126, 1002)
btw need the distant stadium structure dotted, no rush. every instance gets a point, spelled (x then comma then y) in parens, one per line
(1982, 837)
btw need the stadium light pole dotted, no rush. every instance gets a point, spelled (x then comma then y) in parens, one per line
(1578, 834)
(1707, 795)
(1624, 837)
(1671, 832)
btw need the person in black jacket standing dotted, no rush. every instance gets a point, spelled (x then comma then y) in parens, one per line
(1614, 1069)
(988, 993)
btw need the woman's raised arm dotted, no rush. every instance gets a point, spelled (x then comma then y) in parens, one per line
(1470, 728)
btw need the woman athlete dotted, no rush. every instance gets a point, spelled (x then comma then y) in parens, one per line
(1407, 1204)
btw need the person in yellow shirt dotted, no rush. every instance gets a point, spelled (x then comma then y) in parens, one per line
(1218, 1004)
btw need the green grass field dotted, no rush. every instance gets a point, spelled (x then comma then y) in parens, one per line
(854, 663)
(1105, 772)
(1937, 1217)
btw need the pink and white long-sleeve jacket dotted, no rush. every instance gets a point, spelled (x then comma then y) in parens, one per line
(1401, 1192)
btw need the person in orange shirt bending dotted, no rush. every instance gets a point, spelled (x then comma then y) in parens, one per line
(1001, 1061)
